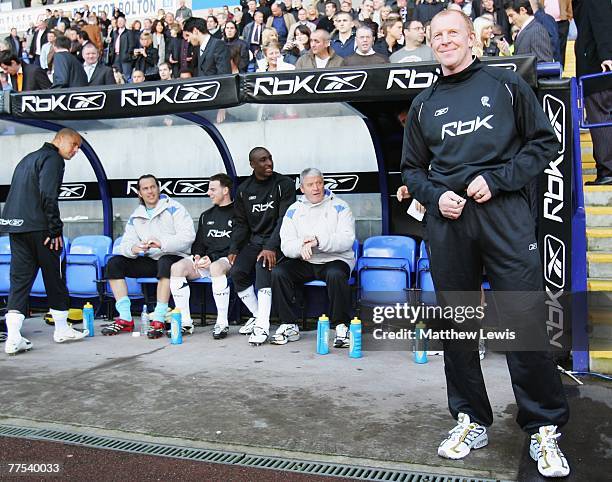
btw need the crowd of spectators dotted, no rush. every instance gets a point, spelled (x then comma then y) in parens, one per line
(262, 37)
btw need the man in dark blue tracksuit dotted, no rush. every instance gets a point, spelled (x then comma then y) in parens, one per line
(473, 142)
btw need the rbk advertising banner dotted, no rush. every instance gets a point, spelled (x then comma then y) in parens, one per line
(370, 84)
(129, 100)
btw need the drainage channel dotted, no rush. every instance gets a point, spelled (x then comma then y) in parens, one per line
(231, 458)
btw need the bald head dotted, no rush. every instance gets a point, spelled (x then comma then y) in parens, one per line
(68, 142)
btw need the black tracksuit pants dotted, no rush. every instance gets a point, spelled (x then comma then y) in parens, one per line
(500, 236)
(28, 253)
(293, 273)
(242, 270)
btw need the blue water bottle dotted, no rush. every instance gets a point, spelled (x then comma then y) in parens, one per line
(323, 335)
(176, 331)
(355, 338)
(88, 318)
(420, 343)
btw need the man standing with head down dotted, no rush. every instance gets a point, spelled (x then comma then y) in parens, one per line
(31, 217)
(472, 185)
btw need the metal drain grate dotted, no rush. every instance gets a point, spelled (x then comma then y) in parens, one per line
(231, 458)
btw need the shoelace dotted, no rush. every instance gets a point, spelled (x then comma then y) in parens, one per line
(459, 431)
(548, 443)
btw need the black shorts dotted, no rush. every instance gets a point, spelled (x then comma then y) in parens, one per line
(120, 267)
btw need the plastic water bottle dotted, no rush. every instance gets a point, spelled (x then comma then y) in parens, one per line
(176, 332)
(355, 338)
(88, 318)
(144, 321)
(420, 343)
(323, 335)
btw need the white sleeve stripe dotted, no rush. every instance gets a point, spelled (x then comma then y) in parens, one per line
(420, 109)
(511, 96)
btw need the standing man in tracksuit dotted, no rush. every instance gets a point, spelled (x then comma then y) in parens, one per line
(473, 141)
(260, 205)
(31, 217)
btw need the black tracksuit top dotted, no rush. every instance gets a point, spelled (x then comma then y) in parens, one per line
(259, 210)
(482, 121)
(214, 232)
(31, 204)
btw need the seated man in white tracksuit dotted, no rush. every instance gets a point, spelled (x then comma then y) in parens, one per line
(317, 237)
(159, 233)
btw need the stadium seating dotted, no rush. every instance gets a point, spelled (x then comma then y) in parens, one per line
(38, 288)
(84, 265)
(5, 266)
(384, 269)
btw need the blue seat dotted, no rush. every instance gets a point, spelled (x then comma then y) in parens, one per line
(38, 288)
(425, 282)
(85, 263)
(423, 251)
(385, 269)
(5, 266)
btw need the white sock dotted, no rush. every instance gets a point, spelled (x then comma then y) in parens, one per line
(181, 293)
(221, 292)
(14, 320)
(250, 300)
(265, 305)
(60, 318)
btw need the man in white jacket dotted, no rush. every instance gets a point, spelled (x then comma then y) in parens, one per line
(159, 233)
(317, 237)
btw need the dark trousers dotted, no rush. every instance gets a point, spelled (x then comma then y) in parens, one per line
(563, 28)
(242, 270)
(293, 273)
(599, 109)
(120, 267)
(499, 236)
(28, 253)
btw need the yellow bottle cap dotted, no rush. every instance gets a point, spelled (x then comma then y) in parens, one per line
(323, 317)
(176, 310)
(355, 321)
(88, 305)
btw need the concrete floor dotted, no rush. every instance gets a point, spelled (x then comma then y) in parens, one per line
(383, 408)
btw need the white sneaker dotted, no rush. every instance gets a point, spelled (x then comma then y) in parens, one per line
(69, 335)
(258, 337)
(247, 328)
(20, 345)
(342, 339)
(285, 333)
(545, 451)
(464, 437)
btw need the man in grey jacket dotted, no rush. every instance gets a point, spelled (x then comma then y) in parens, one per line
(321, 55)
(158, 234)
(317, 237)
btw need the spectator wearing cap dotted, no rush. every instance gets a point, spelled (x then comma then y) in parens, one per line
(532, 38)
(67, 70)
(415, 49)
(23, 77)
(343, 39)
(321, 54)
(365, 54)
